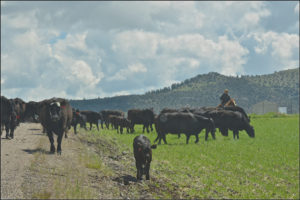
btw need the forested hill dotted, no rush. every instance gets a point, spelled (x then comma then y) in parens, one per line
(205, 89)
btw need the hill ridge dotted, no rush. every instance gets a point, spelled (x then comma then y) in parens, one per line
(280, 87)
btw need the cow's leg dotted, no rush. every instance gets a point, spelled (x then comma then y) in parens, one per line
(164, 138)
(50, 136)
(213, 134)
(206, 134)
(74, 126)
(66, 134)
(157, 138)
(97, 126)
(7, 130)
(12, 129)
(237, 134)
(178, 135)
(102, 124)
(151, 127)
(197, 138)
(59, 139)
(234, 133)
(143, 128)
(147, 127)
(147, 169)
(187, 138)
(91, 125)
(139, 170)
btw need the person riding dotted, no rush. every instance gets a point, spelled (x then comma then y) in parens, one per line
(225, 98)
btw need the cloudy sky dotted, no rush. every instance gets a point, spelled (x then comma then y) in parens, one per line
(96, 49)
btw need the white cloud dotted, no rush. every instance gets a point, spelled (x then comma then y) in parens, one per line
(284, 47)
(137, 43)
(132, 70)
(229, 55)
(282, 44)
(52, 48)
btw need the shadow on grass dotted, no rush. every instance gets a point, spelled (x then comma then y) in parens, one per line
(34, 129)
(38, 150)
(125, 179)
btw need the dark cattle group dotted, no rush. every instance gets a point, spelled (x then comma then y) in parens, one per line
(57, 116)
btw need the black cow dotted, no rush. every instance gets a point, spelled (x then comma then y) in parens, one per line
(142, 150)
(91, 117)
(141, 116)
(121, 123)
(8, 117)
(78, 119)
(105, 116)
(57, 117)
(180, 122)
(32, 111)
(232, 120)
(20, 107)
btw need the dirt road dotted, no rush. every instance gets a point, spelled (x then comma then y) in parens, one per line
(16, 156)
(90, 167)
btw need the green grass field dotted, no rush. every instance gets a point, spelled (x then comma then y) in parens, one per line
(264, 167)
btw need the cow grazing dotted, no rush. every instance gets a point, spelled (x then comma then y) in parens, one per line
(57, 116)
(144, 117)
(142, 150)
(105, 116)
(232, 120)
(91, 117)
(180, 122)
(9, 118)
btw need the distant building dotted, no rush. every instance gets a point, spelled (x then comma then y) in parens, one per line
(282, 110)
(264, 107)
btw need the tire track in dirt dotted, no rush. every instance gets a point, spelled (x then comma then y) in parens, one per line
(16, 156)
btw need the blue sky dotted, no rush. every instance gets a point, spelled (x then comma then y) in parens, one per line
(96, 49)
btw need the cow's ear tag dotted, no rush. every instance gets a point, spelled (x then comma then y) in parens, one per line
(139, 149)
(63, 107)
(18, 116)
(77, 113)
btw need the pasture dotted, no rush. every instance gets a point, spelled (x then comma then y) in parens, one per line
(264, 167)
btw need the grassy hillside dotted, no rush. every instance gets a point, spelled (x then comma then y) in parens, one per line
(204, 90)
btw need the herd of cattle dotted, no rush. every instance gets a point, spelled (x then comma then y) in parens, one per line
(57, 116)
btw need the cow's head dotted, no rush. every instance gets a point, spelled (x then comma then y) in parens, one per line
(55, 111)
(250, 131)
